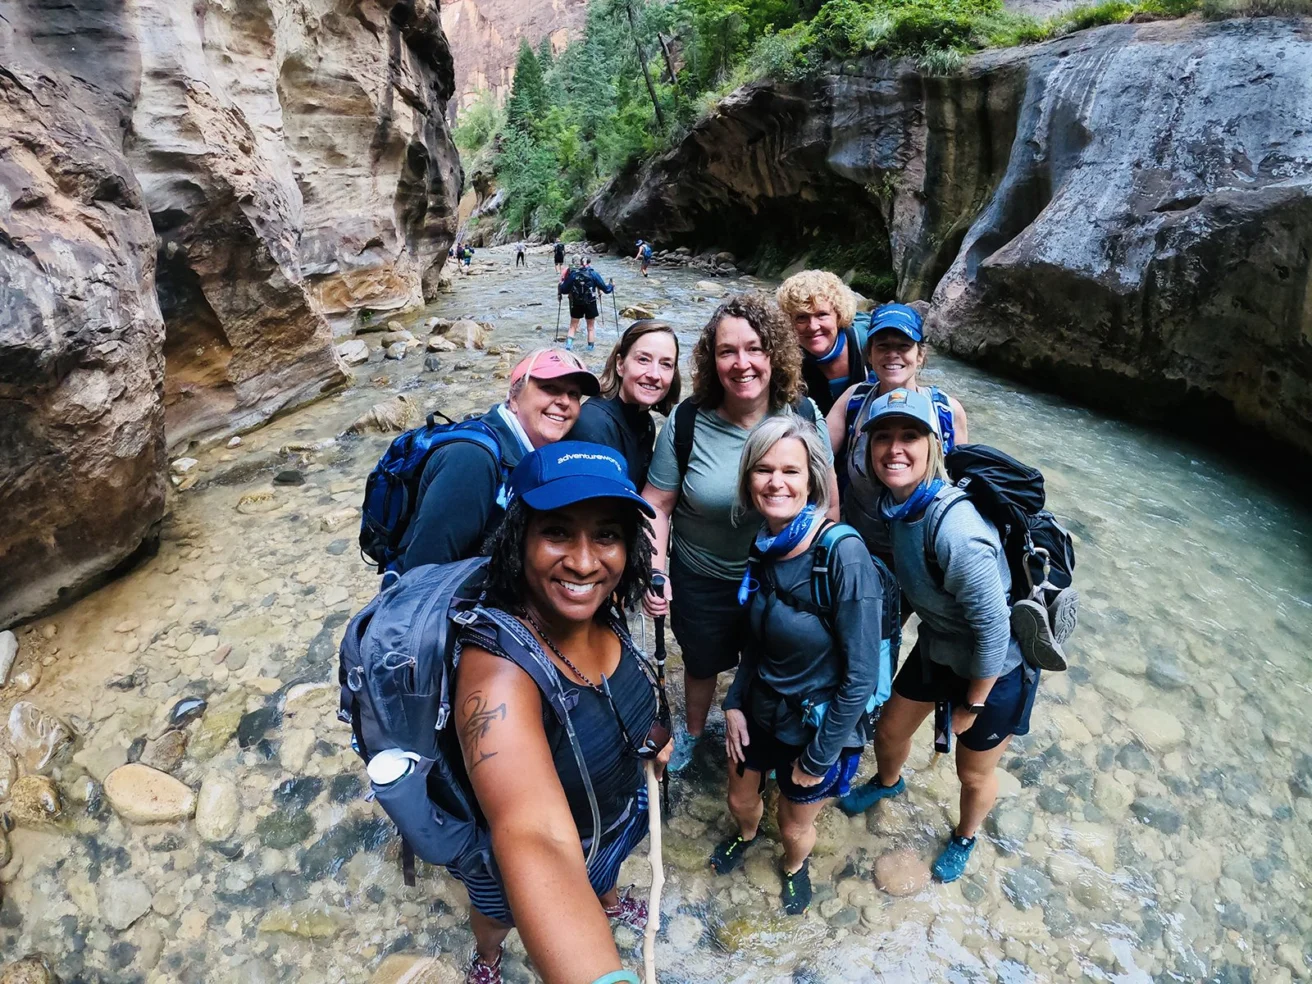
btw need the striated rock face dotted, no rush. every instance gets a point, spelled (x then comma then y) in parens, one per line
(81, 339)
(193, 197)
(1154, 228)
(485, 36)
(1126, 206)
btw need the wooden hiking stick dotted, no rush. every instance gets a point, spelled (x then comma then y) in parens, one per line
(657, 874)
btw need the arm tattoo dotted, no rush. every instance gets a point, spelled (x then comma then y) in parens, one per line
(477, 725)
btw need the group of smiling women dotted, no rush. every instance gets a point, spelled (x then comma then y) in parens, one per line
(790, 402)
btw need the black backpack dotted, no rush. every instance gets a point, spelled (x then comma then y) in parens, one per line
(1010, 495)
(685, 428)
(396, 672)
(581, 288)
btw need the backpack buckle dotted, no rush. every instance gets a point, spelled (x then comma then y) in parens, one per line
(467, 617)
(443, 715)
(355, 679)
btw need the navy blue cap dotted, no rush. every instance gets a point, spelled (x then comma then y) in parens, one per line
(898, 317)
(561, 474)
(903, 403)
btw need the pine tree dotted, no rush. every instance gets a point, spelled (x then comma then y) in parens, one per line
(528, 96)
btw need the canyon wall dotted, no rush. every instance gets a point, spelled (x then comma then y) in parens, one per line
(1123, 215)
(485, 36)
(194, 197)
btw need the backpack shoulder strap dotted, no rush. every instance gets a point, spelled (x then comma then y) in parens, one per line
(504, 635)
(943, 407)
(806, 408)
(931, 535)
(821, 571)
(856, 363)
(685, 426)
(854, 404)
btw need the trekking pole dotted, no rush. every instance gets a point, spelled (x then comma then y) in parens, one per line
(556, 337)
(616, 308)
(658, 584)
(657, 874)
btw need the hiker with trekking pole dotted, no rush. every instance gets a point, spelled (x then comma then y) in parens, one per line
(581, 284)
(555, 719)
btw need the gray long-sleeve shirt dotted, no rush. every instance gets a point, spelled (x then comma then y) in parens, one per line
(965, 624)
(796, 656)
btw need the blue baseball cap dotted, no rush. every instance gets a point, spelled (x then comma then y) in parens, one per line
(561, 474)
(903, 403)
(898, 317)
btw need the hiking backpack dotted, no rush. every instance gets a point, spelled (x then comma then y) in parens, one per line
(685, 428)
(391, 492)
(581, 289)
(646, 251)
(1009, 494)
(821, 605)
(396, 667)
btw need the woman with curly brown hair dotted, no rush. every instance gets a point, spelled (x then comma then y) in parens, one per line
(746, 366)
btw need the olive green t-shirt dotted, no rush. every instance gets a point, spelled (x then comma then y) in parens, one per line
(703, 533)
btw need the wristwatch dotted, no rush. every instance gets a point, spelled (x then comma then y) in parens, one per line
(976, 708)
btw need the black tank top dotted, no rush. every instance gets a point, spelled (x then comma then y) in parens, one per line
(615, 770)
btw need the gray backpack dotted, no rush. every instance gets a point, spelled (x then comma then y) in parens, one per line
(396, 671)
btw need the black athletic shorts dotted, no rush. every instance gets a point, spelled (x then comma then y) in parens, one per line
(588, 310)
(707, 620)
(1006, 712)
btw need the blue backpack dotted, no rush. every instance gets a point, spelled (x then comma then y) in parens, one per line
(396, 669)
(646, 251)
(392, 490)
(821, 605)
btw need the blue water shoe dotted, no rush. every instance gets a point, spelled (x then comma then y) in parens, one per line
(951, 864)
(866, 795)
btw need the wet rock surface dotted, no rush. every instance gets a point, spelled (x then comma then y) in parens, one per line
(1108, 848)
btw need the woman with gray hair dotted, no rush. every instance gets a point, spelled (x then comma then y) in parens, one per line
(812, 670)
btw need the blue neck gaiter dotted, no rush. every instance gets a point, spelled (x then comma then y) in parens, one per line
(916, 504)
(778, 544)
(834, 352)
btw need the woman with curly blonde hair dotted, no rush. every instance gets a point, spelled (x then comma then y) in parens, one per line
(822, 309)
(746, 366)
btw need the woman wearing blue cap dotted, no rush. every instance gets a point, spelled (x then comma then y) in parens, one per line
(895, 351)
(571, 551)
(952, 569)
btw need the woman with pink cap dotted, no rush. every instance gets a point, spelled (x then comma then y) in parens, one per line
(460, 498)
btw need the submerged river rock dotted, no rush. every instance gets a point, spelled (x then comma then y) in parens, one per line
(1118, 853)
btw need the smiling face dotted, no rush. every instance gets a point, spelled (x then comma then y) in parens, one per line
(895, 359)
(741, 362)
(781, 483)
(899, 454)
(817, 328)
(647, 371)
(574, 558)
(547, 408)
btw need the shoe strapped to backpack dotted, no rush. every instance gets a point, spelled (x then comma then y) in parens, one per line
(1039, 550)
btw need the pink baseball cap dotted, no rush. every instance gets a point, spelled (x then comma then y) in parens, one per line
(553, 364)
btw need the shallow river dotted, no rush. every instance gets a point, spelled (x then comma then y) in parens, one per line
(1156, 825)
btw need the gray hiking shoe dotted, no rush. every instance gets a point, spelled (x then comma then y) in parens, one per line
(1029, 624)
(1063, 614)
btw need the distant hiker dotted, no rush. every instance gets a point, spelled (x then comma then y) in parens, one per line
(469, 255)
(813, 672)
(459, 496)
(746, 366)
(895, 352)
(581, 283)
(643, 256)
(520, 261)
(641, 375)
(821, 308)
(558, 255)
(966, 659)
(565, 805)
